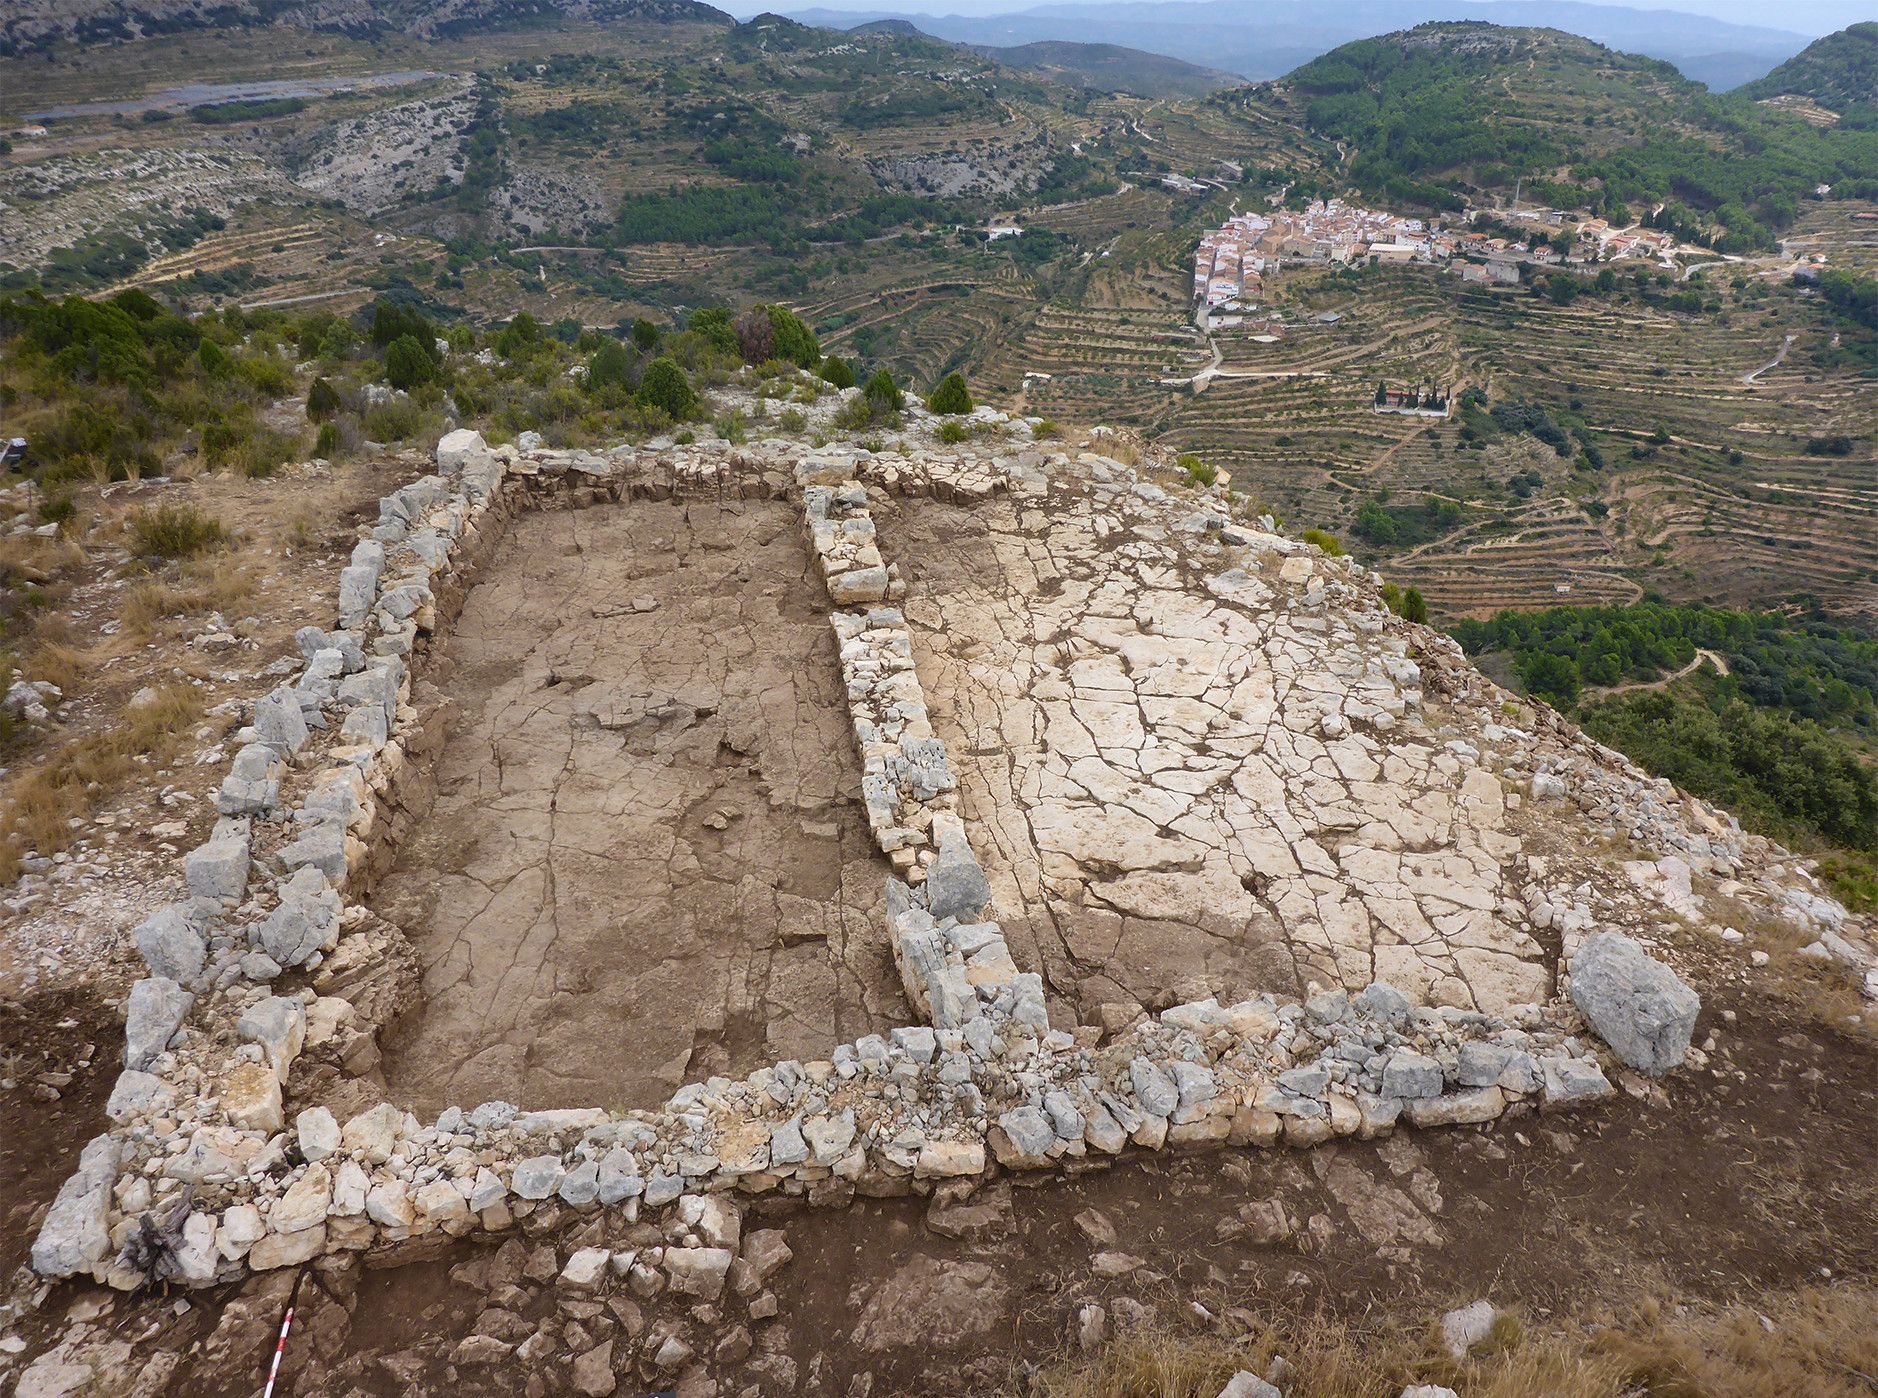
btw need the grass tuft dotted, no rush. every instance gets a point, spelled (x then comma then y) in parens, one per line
(176, 531)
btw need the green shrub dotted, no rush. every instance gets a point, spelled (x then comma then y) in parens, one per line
(953, 432)
(610, 366)
(408, 364)
(214, 360)
(338, 341)
(265, 375)
(398, 420)
(328, 443)
(1327, 542)
(520, 338)
(837, 371)
(322, 400)
(791, 338)
(1046, 431)
(715, 325)
(665, 387)
(58, 507)
(1200, 473)
(883, 395)
(730, 429)
(175, 531)
(645, 335)
(951, 397)
(391, 322)
(793, 420)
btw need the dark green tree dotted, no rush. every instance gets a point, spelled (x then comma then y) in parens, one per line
(883, 394)
(215, 361)
(664, 386)
(322, 399)
(407, 363)
(951, 397)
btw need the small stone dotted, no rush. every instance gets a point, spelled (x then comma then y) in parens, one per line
(1463, 1330)
(585, 1269)
(317, 1133)
(1248, 1385)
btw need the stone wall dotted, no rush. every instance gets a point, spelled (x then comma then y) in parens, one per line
(271, 960)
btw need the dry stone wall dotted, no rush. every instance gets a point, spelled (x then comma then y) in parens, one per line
(270, 961)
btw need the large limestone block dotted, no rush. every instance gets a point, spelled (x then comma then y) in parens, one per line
(156, 1011)
(1636, 1004)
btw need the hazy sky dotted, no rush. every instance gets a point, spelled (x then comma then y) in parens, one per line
(1801, 16)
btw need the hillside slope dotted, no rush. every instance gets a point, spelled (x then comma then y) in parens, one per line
(37, 24)
(1838, 71)
(1443, 113)
(1110, 68)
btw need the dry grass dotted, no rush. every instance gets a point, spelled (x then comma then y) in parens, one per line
(1820, 1344)
(31, 559)
(37, 811)
(200, 586)
(1826, 992)
(175, 531)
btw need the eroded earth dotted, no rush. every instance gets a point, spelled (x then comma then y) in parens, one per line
(645, 863)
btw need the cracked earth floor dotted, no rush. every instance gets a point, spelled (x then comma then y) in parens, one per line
(646, 861)
(1164, 772)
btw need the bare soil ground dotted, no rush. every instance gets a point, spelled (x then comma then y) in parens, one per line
(1744, 1183)
(646, 861)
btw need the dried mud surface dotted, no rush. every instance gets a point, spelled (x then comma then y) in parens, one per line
(645, 863)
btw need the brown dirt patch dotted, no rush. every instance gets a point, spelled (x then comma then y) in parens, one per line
(61, 1051)
(645, 862)
(1749, 1180)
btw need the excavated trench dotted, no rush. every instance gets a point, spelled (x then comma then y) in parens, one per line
(645, 861)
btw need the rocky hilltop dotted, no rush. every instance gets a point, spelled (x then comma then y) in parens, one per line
(35, 24)
(1185, 841)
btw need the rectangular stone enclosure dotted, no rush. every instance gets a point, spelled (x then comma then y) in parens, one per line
(646, 860)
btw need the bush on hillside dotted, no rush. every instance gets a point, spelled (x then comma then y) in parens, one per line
(214, 360)
(610, 366)
(175, 531)
(407, 364)
(665, 387)
(391, 322)
(322, 399)
(838, 371)
(951, 397)
(883, 395)
(716, 325)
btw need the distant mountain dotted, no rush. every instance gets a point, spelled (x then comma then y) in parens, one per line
(1838, 71)
(1273, 37)
(1102, 67)
(27, 25)
(1448, 113)
(1111, 68)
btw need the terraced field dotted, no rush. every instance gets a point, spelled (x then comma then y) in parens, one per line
(648, 170)
(1713, 486)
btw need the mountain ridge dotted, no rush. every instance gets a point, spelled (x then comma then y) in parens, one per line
(1280, 37)
(1839, 70)
(40, 24)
